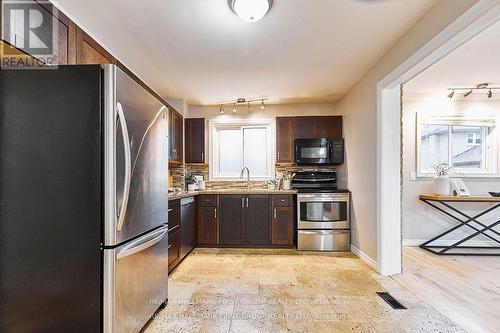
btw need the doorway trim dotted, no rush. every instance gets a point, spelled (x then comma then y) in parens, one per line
(389, 219)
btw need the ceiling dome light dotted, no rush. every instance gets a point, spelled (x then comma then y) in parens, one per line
(250, 10)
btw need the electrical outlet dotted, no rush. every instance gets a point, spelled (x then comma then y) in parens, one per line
(413, 176)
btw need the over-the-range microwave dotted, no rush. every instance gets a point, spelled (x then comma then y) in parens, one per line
(319, 151)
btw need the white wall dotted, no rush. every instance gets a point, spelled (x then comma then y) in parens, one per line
(420, 221)
(359, 108)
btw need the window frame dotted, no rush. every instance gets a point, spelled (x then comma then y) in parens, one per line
(214, 125)
(490, 154)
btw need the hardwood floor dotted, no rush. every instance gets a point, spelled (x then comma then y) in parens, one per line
(466, 289)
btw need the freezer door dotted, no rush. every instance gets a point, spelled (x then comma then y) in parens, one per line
(135, 282)
(136, 161)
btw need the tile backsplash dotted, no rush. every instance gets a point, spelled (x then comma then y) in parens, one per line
(179, 172)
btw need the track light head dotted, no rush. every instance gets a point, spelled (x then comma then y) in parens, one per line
(262, 105)
(221, 110)
(234, 108)
(467, 94)
(490, 93)
(450, 95)
(249, 107)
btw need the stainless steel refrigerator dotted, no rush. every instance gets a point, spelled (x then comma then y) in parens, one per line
(83, 201)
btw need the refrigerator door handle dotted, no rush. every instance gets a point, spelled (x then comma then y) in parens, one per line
(140, 244)
(128, 166)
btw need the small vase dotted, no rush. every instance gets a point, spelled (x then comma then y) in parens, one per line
(286, 184)
(442, 185)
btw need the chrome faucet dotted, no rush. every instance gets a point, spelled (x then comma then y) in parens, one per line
(248, 176)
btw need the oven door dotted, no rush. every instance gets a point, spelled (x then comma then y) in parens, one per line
(313, 151)
(323, 211)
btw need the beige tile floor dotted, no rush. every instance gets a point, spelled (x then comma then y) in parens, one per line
(238, 290)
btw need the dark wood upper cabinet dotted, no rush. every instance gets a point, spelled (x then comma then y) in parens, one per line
(195, 140)
(232, 220)
(175, 136)
(306, 127)
(88, 51)
(330, 127)
(258, 219)
(285, 136)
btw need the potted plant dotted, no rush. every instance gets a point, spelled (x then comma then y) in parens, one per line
(271, 184)
(191, 183)
(442, 178)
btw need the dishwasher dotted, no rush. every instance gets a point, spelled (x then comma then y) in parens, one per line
(187, 225)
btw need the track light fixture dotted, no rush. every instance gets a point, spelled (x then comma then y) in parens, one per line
(467, 94)
(246, 101)
(467, 91)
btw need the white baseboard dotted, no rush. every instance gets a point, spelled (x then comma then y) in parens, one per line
(363, 256)
(417, 242)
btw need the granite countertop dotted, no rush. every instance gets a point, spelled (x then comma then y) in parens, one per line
(229, 191)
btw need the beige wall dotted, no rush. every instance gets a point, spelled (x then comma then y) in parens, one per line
(359, 108)
(420, 221)
(271, 111)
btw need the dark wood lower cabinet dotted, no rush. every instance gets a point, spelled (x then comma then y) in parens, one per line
(257, 219)
(283, 220)
(207, 223)
(174, 249)
(282, 226)
(232, 220)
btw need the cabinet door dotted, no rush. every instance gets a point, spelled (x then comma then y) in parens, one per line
(232, 220)
(282, 226)
(306, 127)
(258, 219)
(285, 138)
(174, 213)
(174, 249)
(207, 226)
(88, 51)
(195, 140)
(179, 136)
(330, 127)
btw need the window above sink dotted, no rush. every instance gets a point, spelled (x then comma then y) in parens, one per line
(235, 144)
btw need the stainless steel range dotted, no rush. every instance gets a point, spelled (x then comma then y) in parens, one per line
(323, 212)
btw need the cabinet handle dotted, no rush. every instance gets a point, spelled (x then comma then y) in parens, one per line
(278, 157)
(247, 202)
(169, 246)
(215, 213)
(202, 157)
(275, 213)
(242, 202)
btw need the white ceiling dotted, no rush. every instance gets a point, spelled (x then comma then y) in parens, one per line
(198, 50)
(475, 62)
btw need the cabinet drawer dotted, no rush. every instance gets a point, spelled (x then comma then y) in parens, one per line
(208, 200)
(283, 200)
(174, 213)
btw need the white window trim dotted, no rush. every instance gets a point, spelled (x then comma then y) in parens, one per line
(493, 141)
(213, 150)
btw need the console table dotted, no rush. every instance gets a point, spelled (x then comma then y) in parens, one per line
(471, 223)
